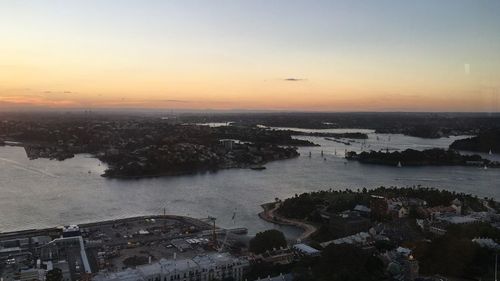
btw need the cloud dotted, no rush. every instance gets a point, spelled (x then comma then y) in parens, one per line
(57, 92)
(176, 101)
(34, 100)
(139, 102)
(292, 79)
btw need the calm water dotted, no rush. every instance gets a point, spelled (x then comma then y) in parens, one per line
(41, 193)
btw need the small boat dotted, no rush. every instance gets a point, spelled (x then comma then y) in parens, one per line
(90, 172)
(485, 167)
(399, 164)
(258, 168)
(491, 152)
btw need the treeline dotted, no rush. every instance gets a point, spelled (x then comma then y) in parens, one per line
(433, 197)
(341, 263)
(354, 135)
(425, 125)
(411, 157)
(484, 142)
(259, 135)
(307, 205)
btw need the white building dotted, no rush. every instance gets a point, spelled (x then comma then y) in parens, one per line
(457, 205)
(306, 250)
(361, 238)
(200, 268)
(456, 219)
(486, 243)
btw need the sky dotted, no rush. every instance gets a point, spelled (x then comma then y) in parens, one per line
(310, 55)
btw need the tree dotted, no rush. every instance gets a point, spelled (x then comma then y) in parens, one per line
(54, 275)
(267, 240)
(341, 263)
(346, 262)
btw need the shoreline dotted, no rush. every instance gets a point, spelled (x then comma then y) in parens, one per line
(195, 172)
(119, 176)
(7, 234)
(269, 214)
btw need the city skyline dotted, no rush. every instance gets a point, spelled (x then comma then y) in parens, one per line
(251, 55)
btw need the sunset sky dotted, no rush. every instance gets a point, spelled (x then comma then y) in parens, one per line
(376, 55)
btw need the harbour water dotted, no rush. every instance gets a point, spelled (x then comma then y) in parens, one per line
(41, 192)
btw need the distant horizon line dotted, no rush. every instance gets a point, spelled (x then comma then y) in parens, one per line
(222, 111)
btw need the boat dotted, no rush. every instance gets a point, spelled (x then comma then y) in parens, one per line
(491, 152)
(399, 164)
(485, 167)
(257, 168)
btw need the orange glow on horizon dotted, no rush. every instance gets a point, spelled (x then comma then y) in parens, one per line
(80, 55)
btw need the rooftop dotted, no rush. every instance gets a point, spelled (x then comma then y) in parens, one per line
(306, 249)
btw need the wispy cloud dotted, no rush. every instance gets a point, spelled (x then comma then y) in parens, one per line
(57, 92)
(292, 79)
(175, 101)
(34, 100)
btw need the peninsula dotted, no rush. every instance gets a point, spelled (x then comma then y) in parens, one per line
(138, 146)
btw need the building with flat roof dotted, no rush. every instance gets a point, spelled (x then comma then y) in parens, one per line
(348, 223)
(306, 250)
(216, 266)
(361, 238)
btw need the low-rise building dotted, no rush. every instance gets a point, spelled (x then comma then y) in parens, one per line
(401, 265)
(455, 219)
(457, 205)
(487, 243)
(279, 256)
(399, 212)
(362, 238)
(432, 212)
(437, 228)
(348, 223)
(215, 266)
(362, 210)
(306, 250)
